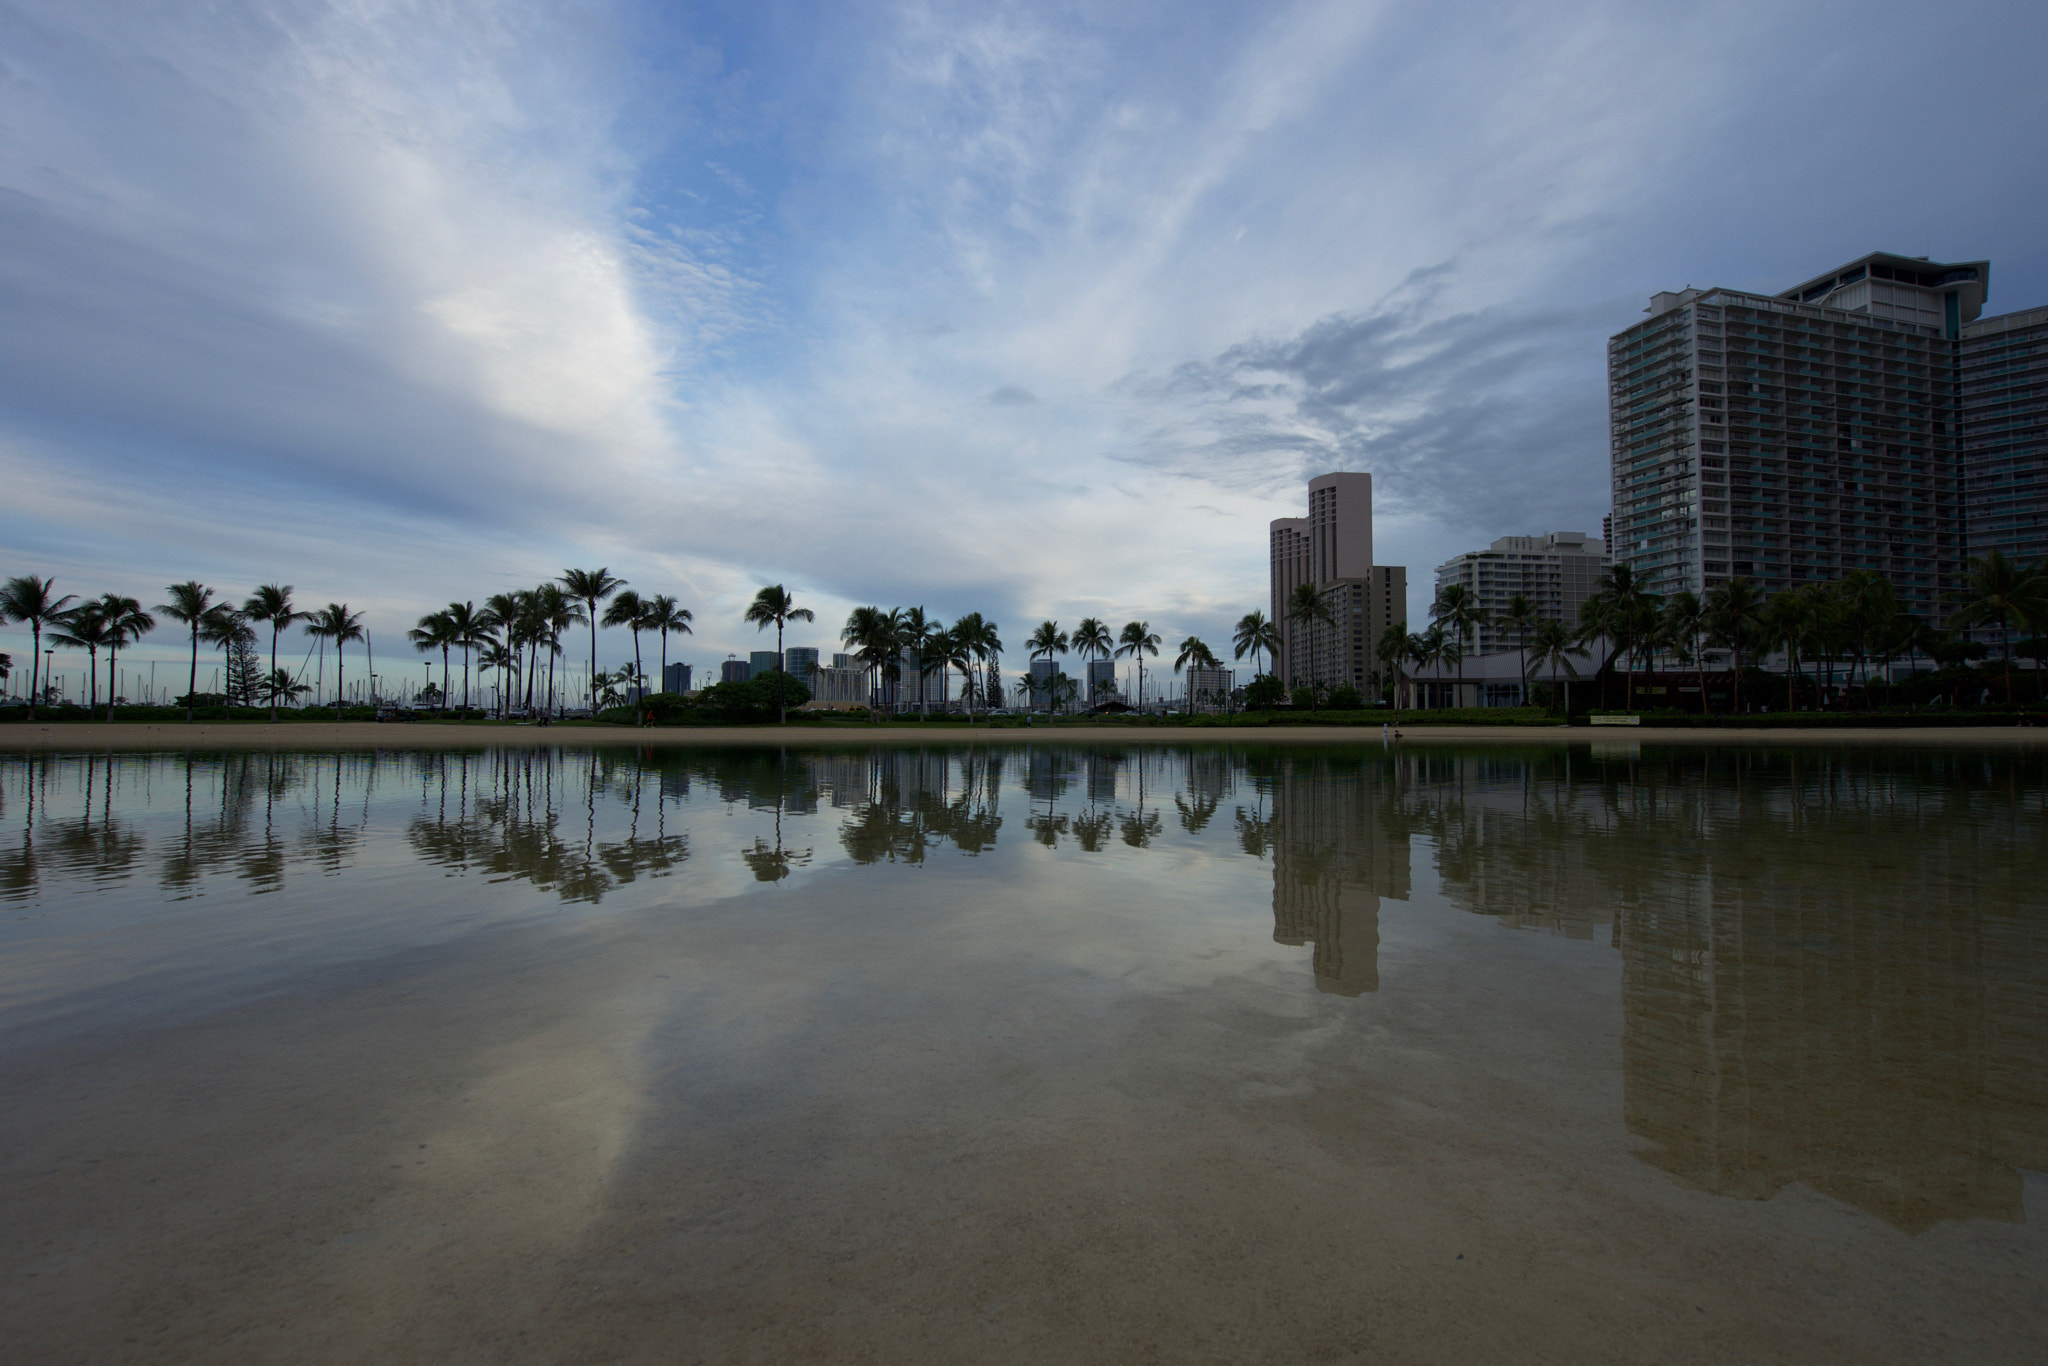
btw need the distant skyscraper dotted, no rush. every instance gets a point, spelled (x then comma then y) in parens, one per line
(1798, 436)
(763, 661)
(801, 661)
(2005, 434)
(1332, 548)
(1100, 684)
(675, 678)
(733, 671)
(1556, 572)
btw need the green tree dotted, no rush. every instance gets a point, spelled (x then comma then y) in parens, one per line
(978, 635)
(85, 629)
(1393, 649)
(664, 616)
(272, 604)
(1788, 620)
(436, 631)
(1554, 644)
(871, 633)
(1686, 621)
(472, 630)
(629, 611)
(589, 587)
(1521, 616)
(189, 604)
(1999, 592)
(914, 631)
(1307, 607)
(224, 628)
(1457, 607)
(336, 623)
(125, 623)
(33, 602)
(558, 611)
(1255, 636)
(1735, 621)
(775, 604)
(1194, 652)
(278, 686)
(1137, 640)
(1047, 642)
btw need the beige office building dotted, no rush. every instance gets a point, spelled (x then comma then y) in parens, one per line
(1332, 548)
(1557, 572)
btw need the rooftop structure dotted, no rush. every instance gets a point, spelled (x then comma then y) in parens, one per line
(1332, 549)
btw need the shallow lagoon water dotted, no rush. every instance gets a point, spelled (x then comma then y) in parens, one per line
(1025, 1052)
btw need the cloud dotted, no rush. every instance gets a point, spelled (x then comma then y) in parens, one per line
(1010, 396)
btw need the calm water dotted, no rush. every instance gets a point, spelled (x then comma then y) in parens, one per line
(1230, 1051)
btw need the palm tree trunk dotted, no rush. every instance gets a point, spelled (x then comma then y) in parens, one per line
(781, 697)
(593, 663)
(192, 682)
(35, 665)
(1699, 659)
(273, 669)
(639, 714)
(113, 663)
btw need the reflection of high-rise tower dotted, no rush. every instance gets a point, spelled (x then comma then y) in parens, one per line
(1336, 852)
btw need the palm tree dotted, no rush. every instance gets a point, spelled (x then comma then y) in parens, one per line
(1686, 621)
(1623, 613)
(336, 623)
(557, 611)
(629, 611)
(1735, 618)
(1554, 644)
(1308, 606)
(1999, 592)
(873, 635)
(1137, 640)
(223, 627)
(34, 602)
(590, 587)
(436, 631)
(504, 657)
(1521, 617)
(280, 684)
(272, 603)
(977, 635)
(1392, 647)
(1091, 639)
(775, 604)
(472, 628)
(1255, 636)
(190, 602)
(664, 616)
(1047, 642)
(85, 629)
(1787, 622)
(125, 622)
(1457, 607)
(1194, 652)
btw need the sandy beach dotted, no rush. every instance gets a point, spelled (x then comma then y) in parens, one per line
(412, 735)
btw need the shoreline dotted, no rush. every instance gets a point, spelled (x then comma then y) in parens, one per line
(32, 736)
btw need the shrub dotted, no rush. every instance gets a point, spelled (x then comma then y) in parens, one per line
(1263, 692)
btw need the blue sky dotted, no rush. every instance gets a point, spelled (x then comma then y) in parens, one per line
(1036, 309)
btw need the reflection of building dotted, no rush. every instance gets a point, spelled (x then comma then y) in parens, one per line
(1337, 849)
(1856, 1009)
(1556, 572)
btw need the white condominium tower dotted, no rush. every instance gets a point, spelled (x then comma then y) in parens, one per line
(1332, 548)
(1798, 436)
(1557, 573)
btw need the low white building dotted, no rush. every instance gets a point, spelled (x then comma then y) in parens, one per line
(1557, 572)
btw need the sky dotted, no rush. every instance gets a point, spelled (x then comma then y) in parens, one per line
(1037, 310)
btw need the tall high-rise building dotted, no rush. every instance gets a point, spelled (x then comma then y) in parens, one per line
(2005, 434)
(732, 671)
(1797, 436)
(1332, 549)
(1557, 572)
(676, 678)
(1100, 684)
(801, 661)
(763, 661)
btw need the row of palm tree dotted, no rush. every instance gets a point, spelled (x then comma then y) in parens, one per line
(1857, 619)
(880, 641)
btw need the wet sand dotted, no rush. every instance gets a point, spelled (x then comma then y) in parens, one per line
(75, 736)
